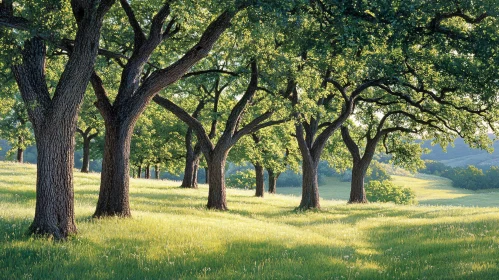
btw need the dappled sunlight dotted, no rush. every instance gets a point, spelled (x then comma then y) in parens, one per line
(172, 233)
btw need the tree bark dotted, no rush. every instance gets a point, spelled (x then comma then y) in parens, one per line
(114, 188)
(54, 212)
(272, 180)
(156, 171)
(310, 186)
(357, 191)
(217, 198)
(190, 179)
(86, 155)
(139, 171)
(260, 186)
(55, 115)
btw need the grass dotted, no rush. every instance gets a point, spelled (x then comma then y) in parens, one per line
(172, 236)
(429, 189)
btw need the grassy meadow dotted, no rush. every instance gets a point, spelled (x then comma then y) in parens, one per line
(172, 235)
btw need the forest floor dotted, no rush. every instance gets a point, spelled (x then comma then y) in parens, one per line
(173, 236)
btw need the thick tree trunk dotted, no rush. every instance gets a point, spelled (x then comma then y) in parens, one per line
(114, 188)
(191, 171)
(260, 185)
(156, 171)
(310, 186)
(217, 198)
(86, 155)
(54, 212)
(148, 171)
(357, 191)
(272, 180)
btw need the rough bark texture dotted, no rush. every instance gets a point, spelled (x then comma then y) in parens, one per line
(260, 185)
(310, 186)
(54, 117)
(357, 191)
(217, 198)
(272, 180)
(114, 188)
(135, 93)
(54, 212)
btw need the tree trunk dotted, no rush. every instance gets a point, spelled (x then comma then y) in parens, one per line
(206, 175)
(217, 198)
(114, 188)
(272, 180)
(148, 171)
(54, 212)
(139, 171)
(20, 155)
(357, 191)
(156, 171)
(86, 155)
(260, 186)
(191, 171)
(310, 186)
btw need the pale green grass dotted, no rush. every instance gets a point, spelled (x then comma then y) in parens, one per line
(172, 236)
(429, 189)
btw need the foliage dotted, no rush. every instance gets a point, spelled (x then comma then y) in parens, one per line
(377, 172)
(242, 179)
(434, 167)
(386, 191)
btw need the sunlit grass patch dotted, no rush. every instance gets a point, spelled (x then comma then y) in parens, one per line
(171, 235)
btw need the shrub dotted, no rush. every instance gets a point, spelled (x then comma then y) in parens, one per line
(245, 179)
(385, 191)
(377, 172)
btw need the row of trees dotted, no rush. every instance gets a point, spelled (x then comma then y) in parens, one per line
(240, 72)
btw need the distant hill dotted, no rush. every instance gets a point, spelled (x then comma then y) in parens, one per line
(462, 155)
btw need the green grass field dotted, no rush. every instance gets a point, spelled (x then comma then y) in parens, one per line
(172, 235)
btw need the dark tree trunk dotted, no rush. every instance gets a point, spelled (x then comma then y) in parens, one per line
(54, 117)
(148, 171)
(191, 171)
(310, 186)
(156, 171)
(260, 186)
(206, 175)
(357, 191)
(139, 171)
(86, 155)
(20, 155)
(114, 188)
(217, 198)
(272, 180)
(54, 212)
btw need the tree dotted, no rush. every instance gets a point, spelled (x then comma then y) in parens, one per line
(360, 48)
(216, 154)
(54, 116)
(89, 127)
(136, 90)
(16, 128)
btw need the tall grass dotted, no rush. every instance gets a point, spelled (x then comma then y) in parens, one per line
(173, 236)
